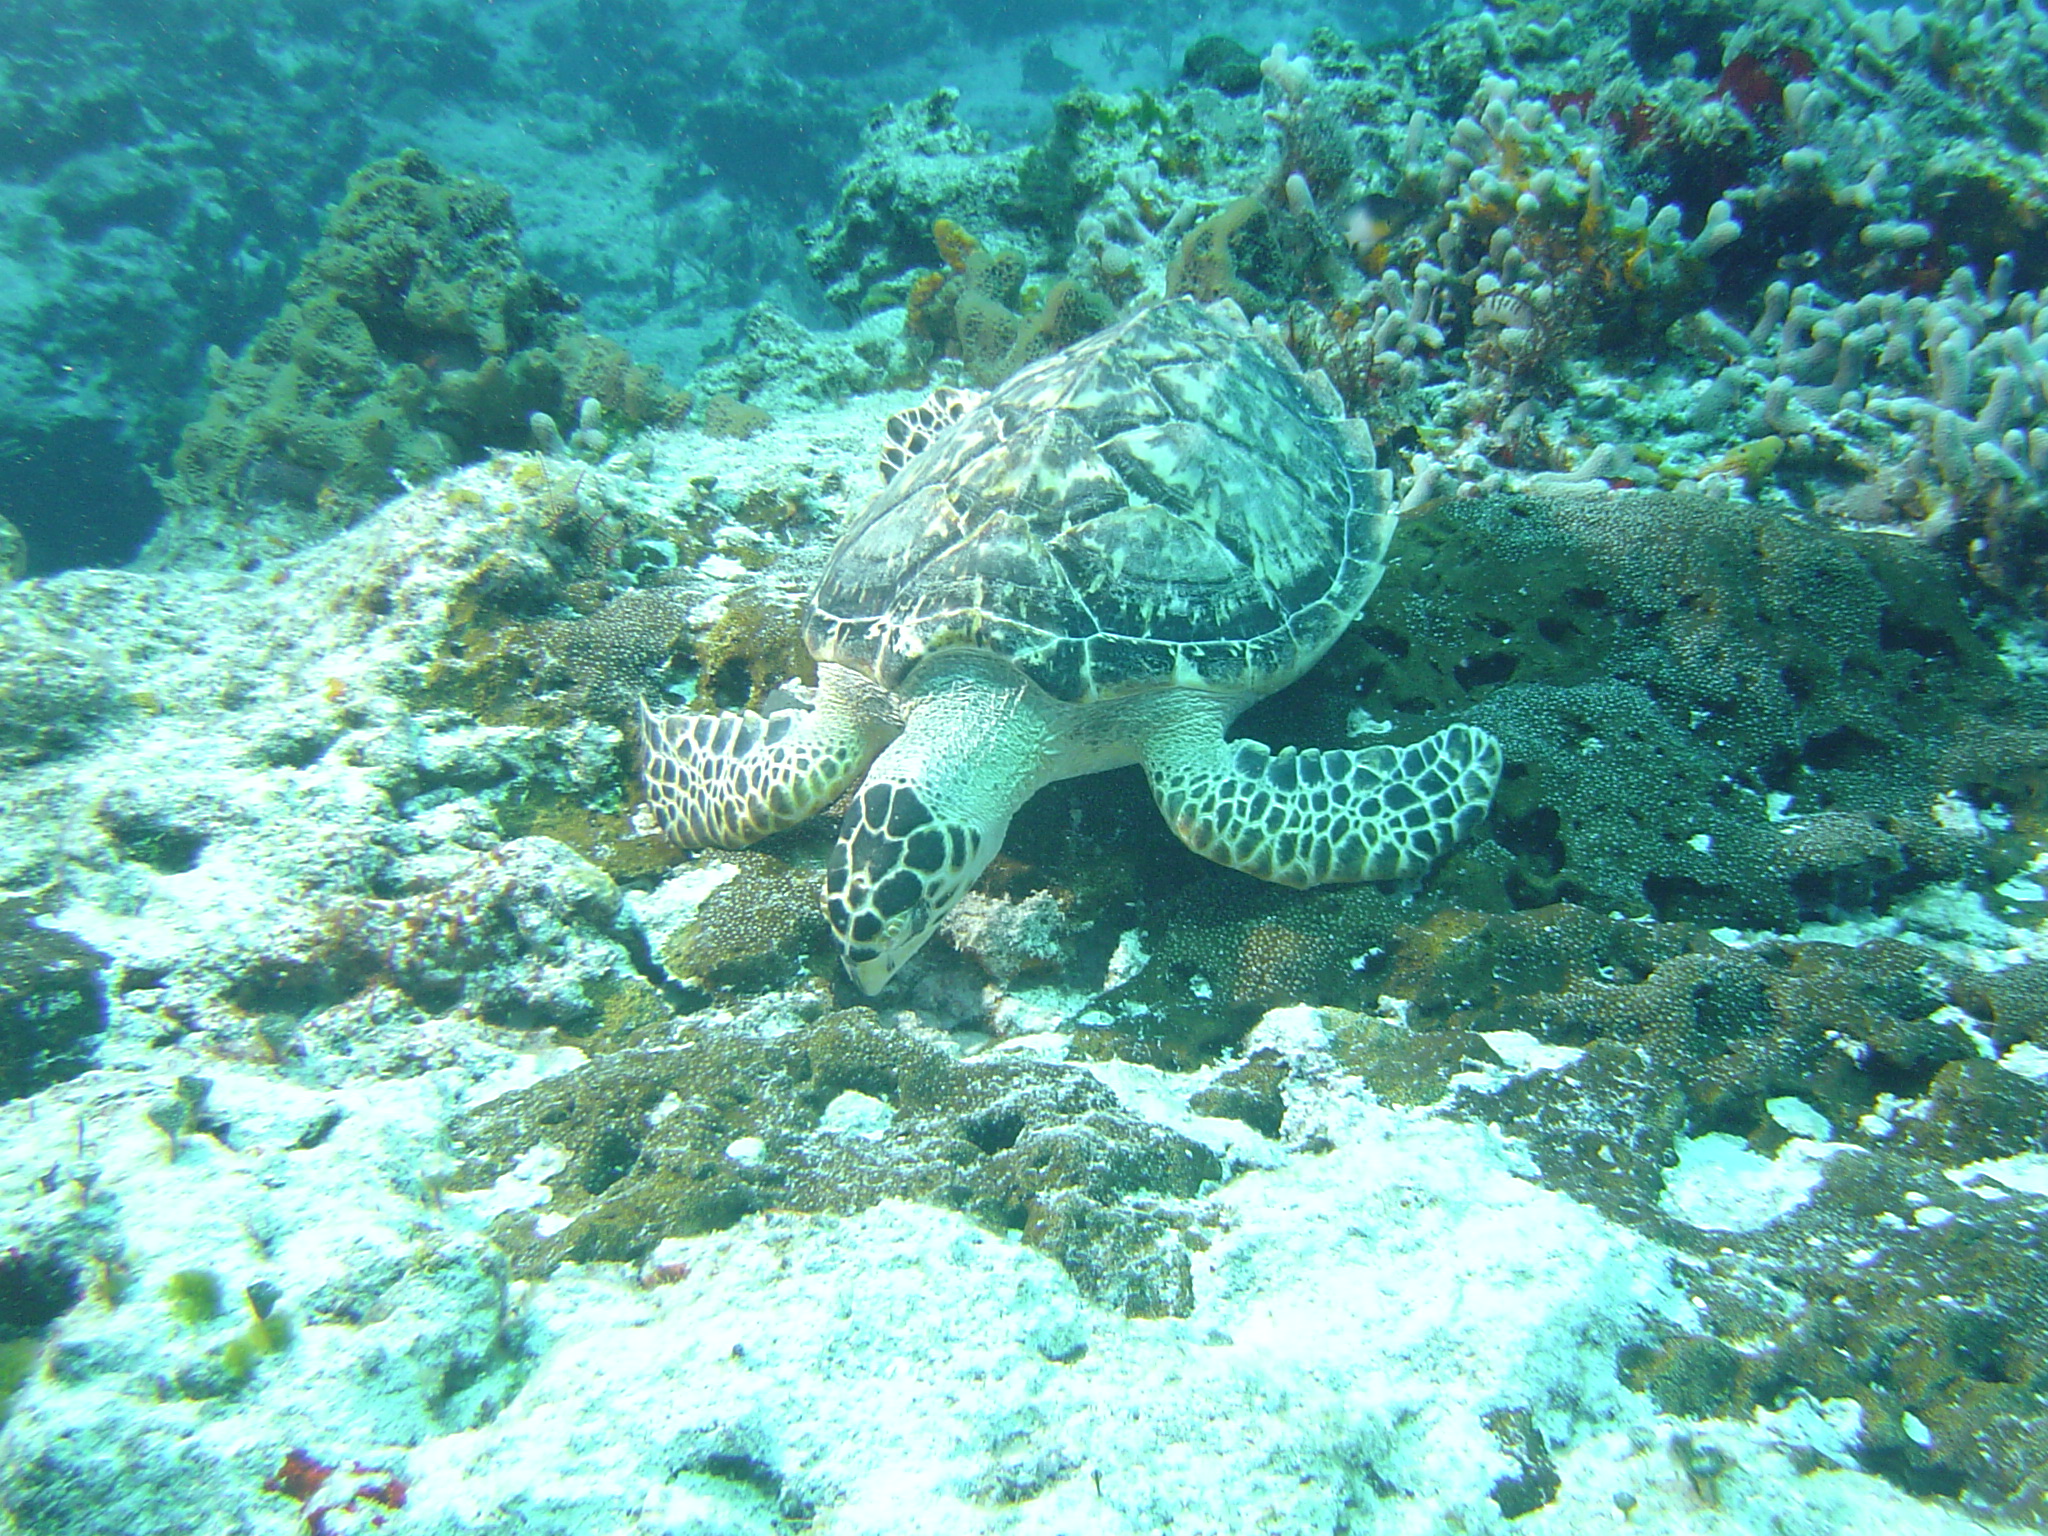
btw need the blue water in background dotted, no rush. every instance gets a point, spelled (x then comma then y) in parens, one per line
(163, 167)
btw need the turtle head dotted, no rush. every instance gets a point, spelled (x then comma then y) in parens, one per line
(932, 813)
(895, 872)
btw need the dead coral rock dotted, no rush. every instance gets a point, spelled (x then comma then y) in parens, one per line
(754, 931)
(1692, 1376)
(755, 645)
(621, 652)
(1920, 1300)
(58, 687)
(1906, 1280)
(1399, 1064)
(1680, 1032)
(1602, 1128)
(527, 936)
(53, 1003)
(1253, 1092)
(1834, 1026)
(2013, 1002)
(729, 416)
(13, 553)
(1118, 1257)
(1467, 962)
(669, 1139)
(1975, 1110)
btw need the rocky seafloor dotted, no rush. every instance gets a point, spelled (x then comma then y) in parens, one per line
(401, 1137)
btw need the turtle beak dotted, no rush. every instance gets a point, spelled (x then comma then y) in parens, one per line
(873, 962)
(871, 975)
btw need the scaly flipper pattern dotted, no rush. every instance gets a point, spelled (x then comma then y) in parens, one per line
(930, 817)
(728, 779)
(1305, 817)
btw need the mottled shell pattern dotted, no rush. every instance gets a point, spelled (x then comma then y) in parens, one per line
(1169, 503)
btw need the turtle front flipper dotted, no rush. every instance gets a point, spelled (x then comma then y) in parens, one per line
(728, 779)
(1305, 817)
(933, 812)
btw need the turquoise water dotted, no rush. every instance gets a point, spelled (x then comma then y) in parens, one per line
(700, 834)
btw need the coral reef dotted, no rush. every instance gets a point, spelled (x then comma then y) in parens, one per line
(621, 652)
(1713, 640)
(1709, 344)
(659, 1141)
(1636, 191)
(972, 310)
(414, 340)
(528, 935)
(159, 180)
(917, 164)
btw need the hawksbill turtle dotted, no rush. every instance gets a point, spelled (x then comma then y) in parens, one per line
(1100, 563)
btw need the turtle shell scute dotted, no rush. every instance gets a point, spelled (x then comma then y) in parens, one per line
(1161, 505)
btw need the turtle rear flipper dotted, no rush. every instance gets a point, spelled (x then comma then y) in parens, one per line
(908, 433)
(1303, 817)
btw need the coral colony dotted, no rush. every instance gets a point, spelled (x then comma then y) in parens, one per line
(1630, 421)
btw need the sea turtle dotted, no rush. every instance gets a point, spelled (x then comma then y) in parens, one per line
(1100, 563)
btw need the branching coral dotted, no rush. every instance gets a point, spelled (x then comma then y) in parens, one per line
(1929, 410)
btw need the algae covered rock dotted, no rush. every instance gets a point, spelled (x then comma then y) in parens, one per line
(53, 1003)
(1897, 1260)
(754, 931)
(414, 338)
(1221, 63)
(529, 935)
(688, 1134)
(1711, 712)
(58, 686)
